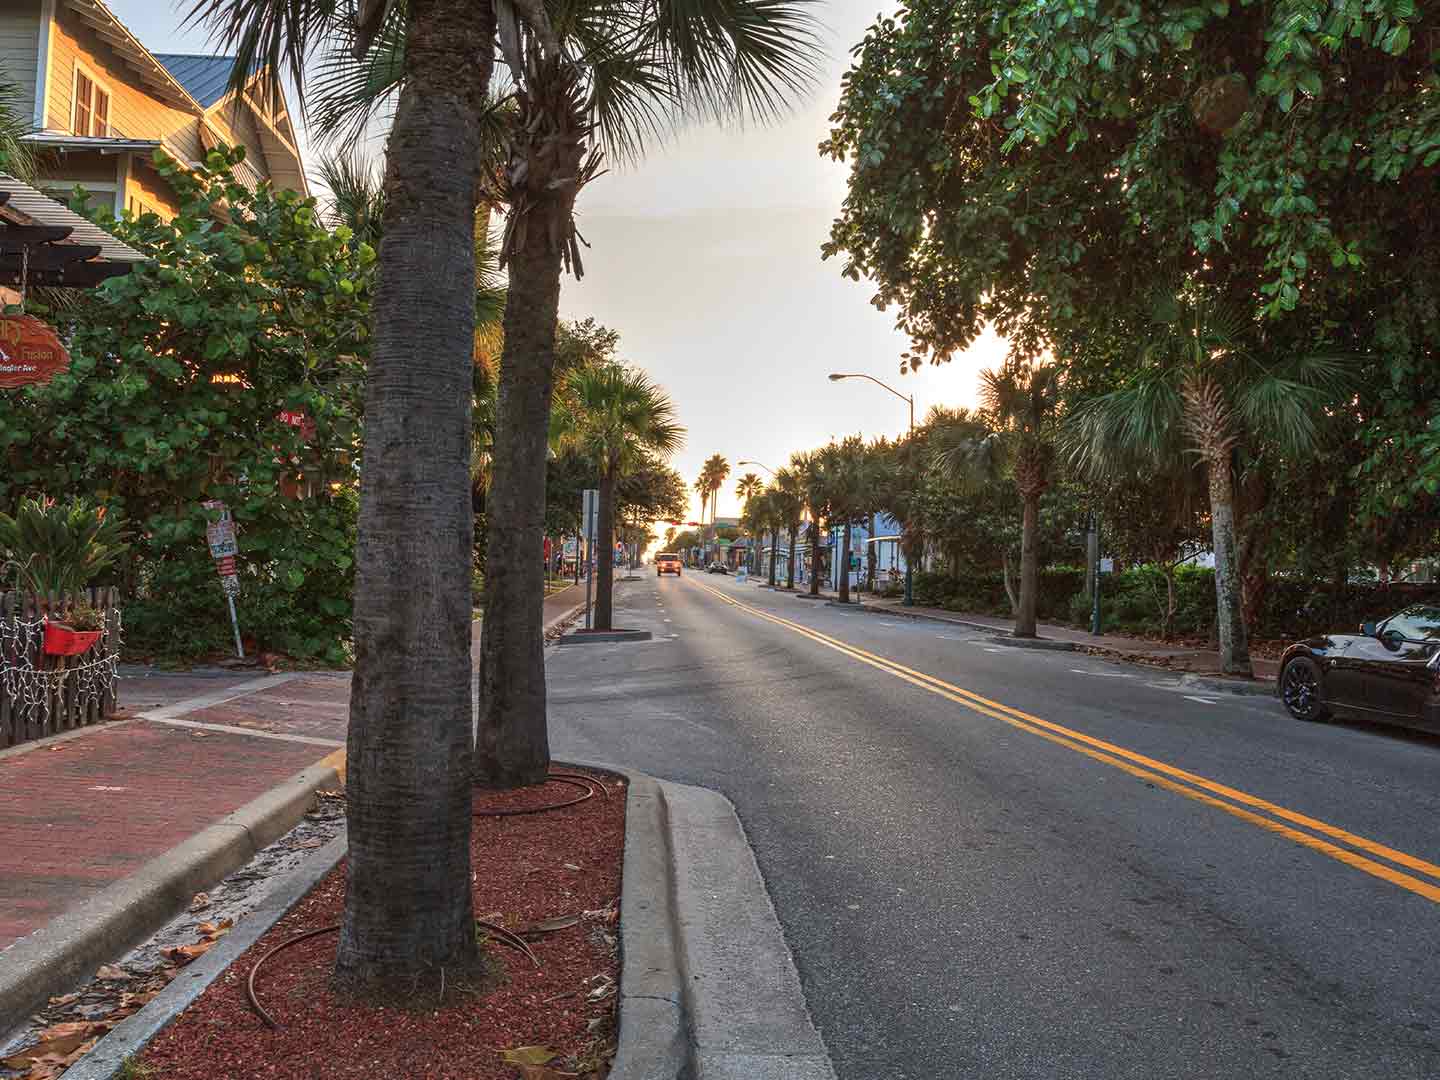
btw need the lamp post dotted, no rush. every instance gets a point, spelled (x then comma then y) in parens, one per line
(758, 466)
(909, 399)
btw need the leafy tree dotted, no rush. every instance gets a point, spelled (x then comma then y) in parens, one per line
(849, 493)
(620, 419)
(181, 372)
(789, 497)
(815, 472)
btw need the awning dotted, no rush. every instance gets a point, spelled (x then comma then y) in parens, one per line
(883, 539)
(55, 245)
(104, 144)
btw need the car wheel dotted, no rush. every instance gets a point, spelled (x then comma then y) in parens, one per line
(1300, 690)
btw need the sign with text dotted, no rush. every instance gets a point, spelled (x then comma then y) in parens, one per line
(220, 533)
(31, 353)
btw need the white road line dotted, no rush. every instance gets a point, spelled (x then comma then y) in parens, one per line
(1102, 674)
(1201, 700)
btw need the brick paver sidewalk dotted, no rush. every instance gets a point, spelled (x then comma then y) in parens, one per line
(78, 814)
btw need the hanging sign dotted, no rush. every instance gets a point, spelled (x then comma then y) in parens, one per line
(31, 352)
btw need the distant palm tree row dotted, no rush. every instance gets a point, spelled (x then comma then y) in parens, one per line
(1198, 393)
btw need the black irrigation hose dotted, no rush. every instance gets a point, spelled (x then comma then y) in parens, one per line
(587, 783)
(499, 933)
(579, 780)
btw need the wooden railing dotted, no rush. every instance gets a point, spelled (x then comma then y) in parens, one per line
(44, 695)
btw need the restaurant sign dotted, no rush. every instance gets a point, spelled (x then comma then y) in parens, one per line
(30, 352)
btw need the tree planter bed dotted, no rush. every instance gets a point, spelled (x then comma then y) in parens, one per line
(529, 868)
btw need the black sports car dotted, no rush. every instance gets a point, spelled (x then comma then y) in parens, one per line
(1389, 672)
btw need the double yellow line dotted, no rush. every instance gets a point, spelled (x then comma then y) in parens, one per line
(1240, 804)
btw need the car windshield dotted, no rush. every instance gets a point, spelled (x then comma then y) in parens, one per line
(1416, 624)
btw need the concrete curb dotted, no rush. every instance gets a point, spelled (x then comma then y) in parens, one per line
(75, 943)
(1221, 685)
(602, 637)
(1033, 643)
(927, 617)
(708, 989)
(855, 604)
(576, 610)
(809, 596)
(132, 1034)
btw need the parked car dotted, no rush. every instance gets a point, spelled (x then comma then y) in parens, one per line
(667, 562)
(1388, 672)
(717, 568)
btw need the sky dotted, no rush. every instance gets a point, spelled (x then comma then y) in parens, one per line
(706, 258)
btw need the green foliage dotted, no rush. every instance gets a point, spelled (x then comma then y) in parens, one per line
(181, 369)
(61, 548)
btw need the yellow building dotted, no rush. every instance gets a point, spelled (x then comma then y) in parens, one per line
(103, 104)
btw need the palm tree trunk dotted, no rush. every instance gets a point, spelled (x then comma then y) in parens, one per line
(817, 558)
(512, 745)
(842, 565)
(1029, 567)
(408, 925)
(790, 557)
(605, 550)
(1230, 618)
(774, 553)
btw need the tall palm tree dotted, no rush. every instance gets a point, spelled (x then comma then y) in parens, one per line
(408, 926)
(790, 507)
(1197, 387)
(1020, 400)
(748, 486)
(618, 417)
(848, 486)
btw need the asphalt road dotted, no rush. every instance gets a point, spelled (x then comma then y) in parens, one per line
(1084, 871)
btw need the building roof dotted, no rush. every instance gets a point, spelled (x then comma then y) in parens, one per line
(205, 78)
(65, 248)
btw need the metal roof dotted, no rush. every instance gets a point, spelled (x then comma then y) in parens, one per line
(205, 78)
(56, 140)
(24, 207)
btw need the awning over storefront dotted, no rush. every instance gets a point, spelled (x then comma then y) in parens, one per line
(52, 244)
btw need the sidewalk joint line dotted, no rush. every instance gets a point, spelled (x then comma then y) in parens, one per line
(231, 729)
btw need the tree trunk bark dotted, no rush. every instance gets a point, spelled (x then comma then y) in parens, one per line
(513, 747)
(842, 565)
(870, 557)
(1029, 568)
(1229, 618)
(774, 554)
(817, 558)
(408, 928)
(605, 551)
(794, 538)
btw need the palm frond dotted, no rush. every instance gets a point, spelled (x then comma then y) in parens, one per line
(349, 91)
(1135, 427)
(1283, 402)
(357, 194)
(16, 157)
(278, 34)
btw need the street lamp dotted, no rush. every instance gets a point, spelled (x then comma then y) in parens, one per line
(758, 466)
(909, 399)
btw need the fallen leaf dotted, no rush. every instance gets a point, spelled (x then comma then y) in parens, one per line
(111, 973)
(200, 901)
(549, 926)
(56, 749)
(529, 1055)
(209, 931)
(570, 866)
(56, 1047)
(183, 954)
(64, 999)
(313, 842)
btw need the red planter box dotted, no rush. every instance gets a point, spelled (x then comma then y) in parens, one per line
(60, 640)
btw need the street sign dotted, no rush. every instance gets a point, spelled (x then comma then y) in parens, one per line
(590, 516)
(220, 534)
(1107, 566)
(30, 352)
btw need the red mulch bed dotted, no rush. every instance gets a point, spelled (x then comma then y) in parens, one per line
(522, 877)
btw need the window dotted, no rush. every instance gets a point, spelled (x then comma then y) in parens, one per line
(92, 106)
(1416, 624)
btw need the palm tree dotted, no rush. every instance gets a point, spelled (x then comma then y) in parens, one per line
(790, 508)
(748, 486)
(16, 157)
(1197, 388)
(409, 922)
(814, 471)
(618, 417)
(1020, 400)
(848, 487)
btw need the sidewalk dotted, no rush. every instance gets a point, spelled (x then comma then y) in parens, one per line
(1174, 657)
(87, 812)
